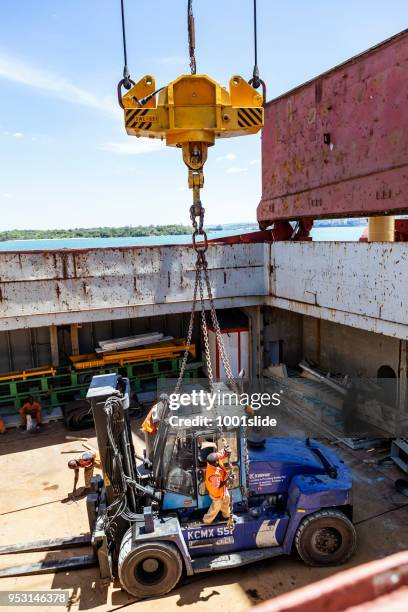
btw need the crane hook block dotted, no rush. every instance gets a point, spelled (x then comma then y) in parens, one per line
(192, 109)
(190, 113)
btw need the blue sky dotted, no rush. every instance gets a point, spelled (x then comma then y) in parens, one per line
(65, 159)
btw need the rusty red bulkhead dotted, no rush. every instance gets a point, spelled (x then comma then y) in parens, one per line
(337, 146)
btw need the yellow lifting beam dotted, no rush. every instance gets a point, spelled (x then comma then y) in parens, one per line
(190, 113)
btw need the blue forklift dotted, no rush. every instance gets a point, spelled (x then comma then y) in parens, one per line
(288, 495)
(145, 515)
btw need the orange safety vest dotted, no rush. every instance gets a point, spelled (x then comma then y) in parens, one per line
(2, 426)
(148, 424)
(31, 408)
(86, 463)
(214, 475)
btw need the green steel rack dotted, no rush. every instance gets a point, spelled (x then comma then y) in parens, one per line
(68, 385)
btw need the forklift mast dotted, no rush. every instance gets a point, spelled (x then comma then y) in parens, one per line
(109, 398)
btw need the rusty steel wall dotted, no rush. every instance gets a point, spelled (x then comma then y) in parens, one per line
(60, 287)
(363, 285)
(338, 145)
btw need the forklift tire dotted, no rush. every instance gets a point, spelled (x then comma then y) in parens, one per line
(78, 415)
(326, 537)
(149, 569)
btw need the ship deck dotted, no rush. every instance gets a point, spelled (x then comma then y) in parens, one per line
(34, 505)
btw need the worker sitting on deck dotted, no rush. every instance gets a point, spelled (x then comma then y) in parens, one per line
(32, 409)
(216, 480)
(87, 461)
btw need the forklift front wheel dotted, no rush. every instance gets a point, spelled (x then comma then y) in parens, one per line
(326, 537)
(148, 569)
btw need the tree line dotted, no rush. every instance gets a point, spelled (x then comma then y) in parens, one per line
(127, 231)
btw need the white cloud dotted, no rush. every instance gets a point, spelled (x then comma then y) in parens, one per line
(13, 134)
(6, 196)
(182, 188)
(20, 71)
(253, 162)
(228, 156)
(135, 146)
(235, 170)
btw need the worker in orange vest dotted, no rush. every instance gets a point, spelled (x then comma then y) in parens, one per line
(2, 426)
(151, 424)
(32, 408)
(149, 427)
(87, 461)
(217, 480)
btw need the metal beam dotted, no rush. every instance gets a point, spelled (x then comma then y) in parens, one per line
(256, 347)
(328, 151)
(54, 345)
(74, 338)
(377, 326)
(130, 312)
(403, 386)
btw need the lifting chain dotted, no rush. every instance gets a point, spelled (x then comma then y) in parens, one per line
(188, 339)
(202, 281)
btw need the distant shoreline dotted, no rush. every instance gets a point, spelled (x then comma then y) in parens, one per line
(144, 231)
(340, 233)
(139, 231)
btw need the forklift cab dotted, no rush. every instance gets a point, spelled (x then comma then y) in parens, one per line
(180, 461)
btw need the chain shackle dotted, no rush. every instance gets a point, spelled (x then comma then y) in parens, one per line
(197, 212)
(127, 84)
(256, 84)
